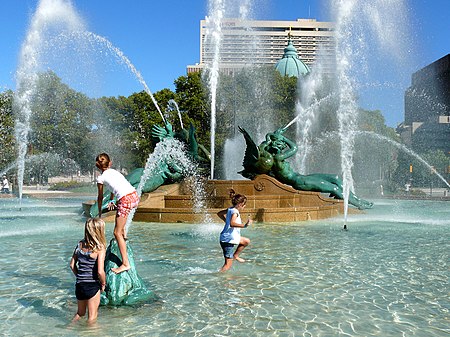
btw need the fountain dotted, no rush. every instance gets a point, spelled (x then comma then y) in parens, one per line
(388, 275)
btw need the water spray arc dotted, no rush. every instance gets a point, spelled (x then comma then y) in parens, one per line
(128, 63)
(171, 105)
(214, 38)
(49, 14)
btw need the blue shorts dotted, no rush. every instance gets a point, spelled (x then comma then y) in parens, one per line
(86, 290)
(228, 249)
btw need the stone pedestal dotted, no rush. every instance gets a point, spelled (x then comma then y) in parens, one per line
(268, 200)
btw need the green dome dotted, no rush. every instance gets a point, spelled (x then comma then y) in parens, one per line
(290, 64)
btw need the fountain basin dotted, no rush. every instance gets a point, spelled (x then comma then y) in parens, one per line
(268, 200)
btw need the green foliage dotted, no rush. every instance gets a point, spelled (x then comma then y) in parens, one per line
(421, 174)
(191, 97)
(7, 139)
(72, 186)
(60, 120)
(145, 114)
(111, 131)
(70, 129)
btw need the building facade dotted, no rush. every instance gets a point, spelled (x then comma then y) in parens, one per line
(257, 42)
(427, 108)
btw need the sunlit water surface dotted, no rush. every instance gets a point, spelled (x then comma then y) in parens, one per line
(388, 275)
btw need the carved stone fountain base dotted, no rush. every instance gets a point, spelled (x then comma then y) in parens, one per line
(268, 200)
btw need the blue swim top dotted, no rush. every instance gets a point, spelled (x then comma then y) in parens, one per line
(87, 266)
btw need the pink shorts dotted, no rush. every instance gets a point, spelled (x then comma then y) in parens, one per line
(126, 204)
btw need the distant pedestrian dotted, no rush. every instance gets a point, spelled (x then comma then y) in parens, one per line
(5, 184)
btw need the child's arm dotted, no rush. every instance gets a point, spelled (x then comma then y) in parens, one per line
(101, 268)
(233, 222)
(111, 204)
(222, 214)
(73, 264)
(99, 199)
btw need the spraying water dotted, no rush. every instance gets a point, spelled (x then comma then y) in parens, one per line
(52, 18)
(171, 105)
(357, 22)
(405, 149)
(347, 105)
(306, 116)
(168, 154)
(402, 147)
(50, 15)
(121, 56)
(214, 38)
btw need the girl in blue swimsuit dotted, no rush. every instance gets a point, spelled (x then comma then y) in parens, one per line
(87, 264)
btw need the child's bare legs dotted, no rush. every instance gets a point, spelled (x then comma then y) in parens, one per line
(119, 234)
(92, 305)
(242, 244)
(226, 265)
(82, 305)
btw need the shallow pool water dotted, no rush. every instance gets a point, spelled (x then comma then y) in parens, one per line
(388, 275)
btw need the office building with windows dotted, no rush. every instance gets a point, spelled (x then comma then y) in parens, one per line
(427, 108)
(257, 42)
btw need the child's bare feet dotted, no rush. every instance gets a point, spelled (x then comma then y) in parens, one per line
(120, 269)
(239, 259)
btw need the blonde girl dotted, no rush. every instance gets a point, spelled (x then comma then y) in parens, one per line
(87, 263)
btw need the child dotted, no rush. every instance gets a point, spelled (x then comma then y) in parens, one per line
(127, 200)
(231, 233)
(87, 264)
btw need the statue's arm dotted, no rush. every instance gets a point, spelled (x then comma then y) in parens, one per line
(163, 132)
(292, 149)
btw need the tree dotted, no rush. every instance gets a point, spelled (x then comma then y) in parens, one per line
(111, 131)
(191, 96)
(61, 121)
(145, 115)
(8, 151)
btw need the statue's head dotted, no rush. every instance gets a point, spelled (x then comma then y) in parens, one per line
(277, 144)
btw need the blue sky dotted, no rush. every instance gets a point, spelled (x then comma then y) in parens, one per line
(161, 37)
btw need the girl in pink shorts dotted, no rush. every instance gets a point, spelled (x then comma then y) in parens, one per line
(127, 200)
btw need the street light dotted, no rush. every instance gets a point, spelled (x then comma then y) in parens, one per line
(433, 171)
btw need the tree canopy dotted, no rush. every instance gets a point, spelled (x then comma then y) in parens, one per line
(69, 129)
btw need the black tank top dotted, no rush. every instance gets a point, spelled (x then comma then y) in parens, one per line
(87, 266)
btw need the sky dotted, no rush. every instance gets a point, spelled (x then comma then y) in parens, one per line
(160, 38)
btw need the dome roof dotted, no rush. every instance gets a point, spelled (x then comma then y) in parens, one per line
(290, 64)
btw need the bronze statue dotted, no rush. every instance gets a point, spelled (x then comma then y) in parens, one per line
(185, 136)
(167, 172)
(270, 158)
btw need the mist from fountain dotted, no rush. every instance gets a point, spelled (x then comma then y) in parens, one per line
(50, 16)
(218, 11)
(306, 114)
(53, 20)
(213, 36)
(406, 150)
(381, 138)
(357, 22)
(170, 153)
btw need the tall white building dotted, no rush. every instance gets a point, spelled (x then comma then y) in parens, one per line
(258, 42)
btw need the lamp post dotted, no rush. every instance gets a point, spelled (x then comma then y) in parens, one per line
(433, 171)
